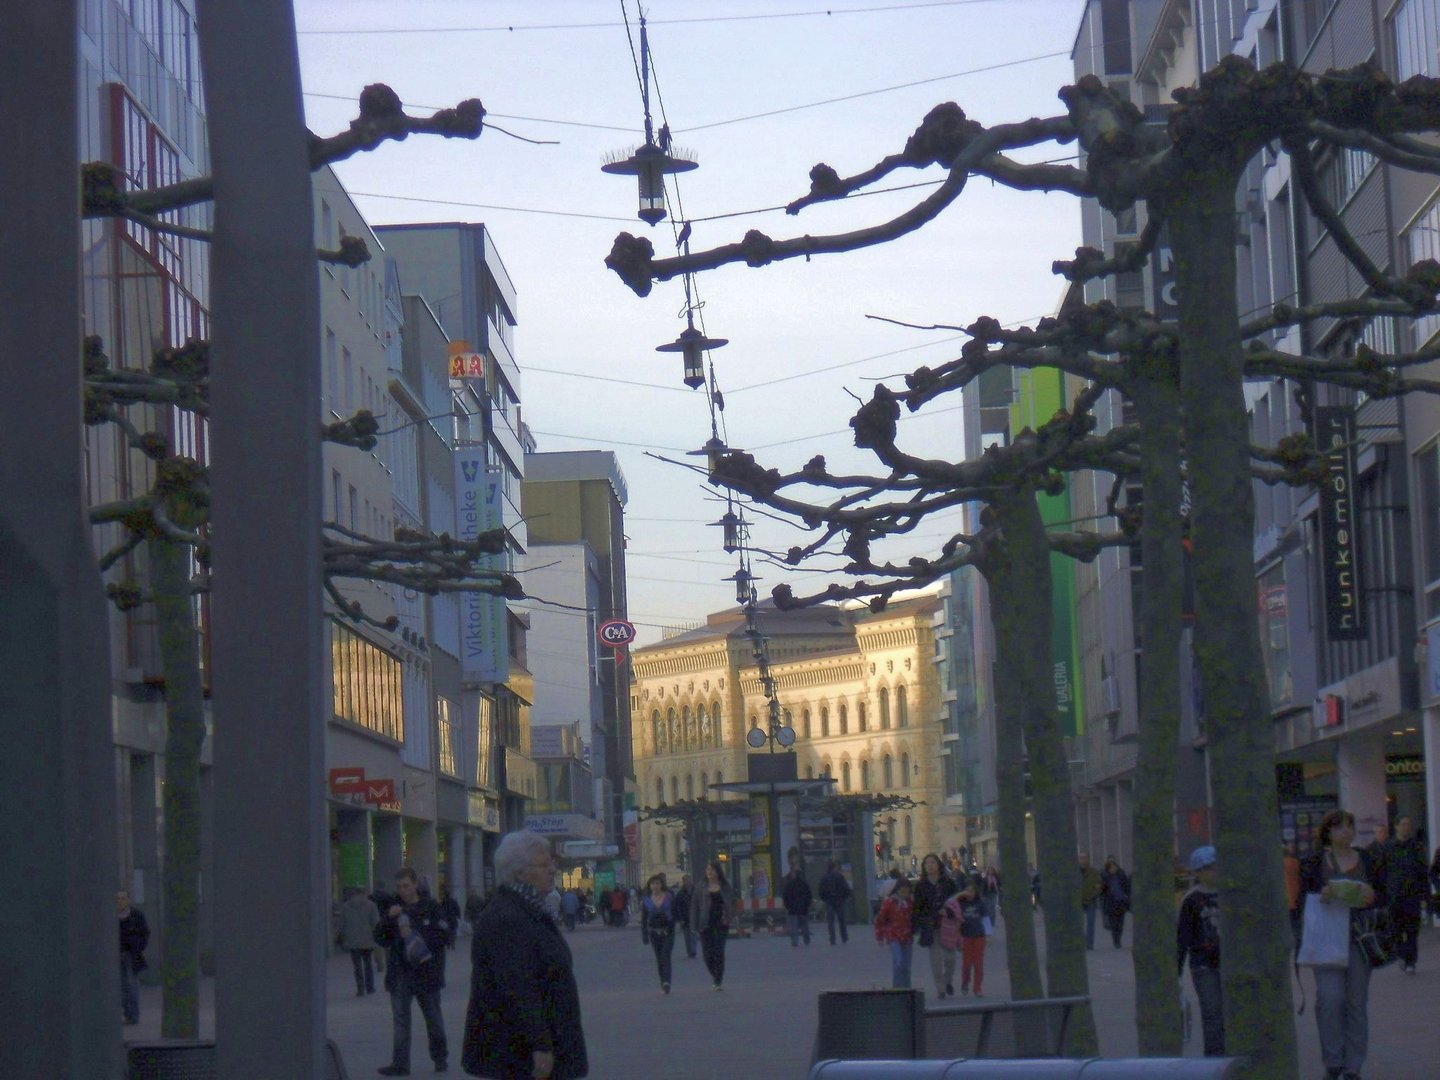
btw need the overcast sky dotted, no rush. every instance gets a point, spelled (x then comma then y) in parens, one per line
(800, 342)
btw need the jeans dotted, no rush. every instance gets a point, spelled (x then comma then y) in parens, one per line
(798, 926)
(835, 913)
(1212, 1009)
(429, 1002)
(129, 989)
(942, 965)
(900, 964)
(663, 942)
(1406, 921)
(1089, 924)
(1341, 996)
(712, 944)
(364, 971)
(689, 933)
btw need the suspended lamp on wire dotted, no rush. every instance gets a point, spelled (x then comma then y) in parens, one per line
(731, 524)
(691, 344)
(744, 590)
(650, 165)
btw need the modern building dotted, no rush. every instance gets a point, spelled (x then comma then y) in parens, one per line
(574, 504)
(859, 688)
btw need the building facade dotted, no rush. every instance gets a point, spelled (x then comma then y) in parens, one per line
(860, 689)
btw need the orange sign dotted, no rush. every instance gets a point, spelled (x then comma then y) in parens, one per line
(465, 362)
(379, 791)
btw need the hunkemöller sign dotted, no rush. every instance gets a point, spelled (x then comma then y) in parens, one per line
(1339, 534)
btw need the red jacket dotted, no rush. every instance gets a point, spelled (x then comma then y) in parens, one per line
(893, 922)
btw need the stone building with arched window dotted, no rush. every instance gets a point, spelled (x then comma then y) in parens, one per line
(859, 687)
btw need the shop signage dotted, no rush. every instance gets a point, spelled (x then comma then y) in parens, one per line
(347, 780)
(379, 791)
(1405, 769)
(1366, 698)
(1339, 532)
(577, 826)
(1432, 662)
(467, 365)
(484, 648)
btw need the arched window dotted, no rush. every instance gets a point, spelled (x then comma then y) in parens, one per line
(704, 785)
(715, 720)
(664, 847)
(674, 789)
(674, 725)
(902, 709)
(690, 786)
(825, 769)
(904, 770)
(863, 719)
(824, 720)
(884, 709)
(845, 776)
(844, 721)
(805, 723)
(719, 776)
(910, 832)
(659, 790)
(658, 733)
(691, 742)
(809, 772)
(889, 771)
(702, 725)
(864, 776)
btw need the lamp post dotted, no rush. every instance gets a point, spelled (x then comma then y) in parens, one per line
(650, 165)
(692, 345)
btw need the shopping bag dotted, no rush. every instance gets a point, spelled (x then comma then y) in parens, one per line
(1375, 936)
(1326, 939)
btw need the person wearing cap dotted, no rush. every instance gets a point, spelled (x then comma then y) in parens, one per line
(1197, 936)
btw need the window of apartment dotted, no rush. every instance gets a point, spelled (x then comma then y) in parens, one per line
(904, 770)
(704, 784)
(861, 718)
(902, 707)
(1427, 474)
(659, 790)
(483, 740)
(715, 720)
(332, 370)
(327, 229)
(335, 489)
(884, 709)
(844, 721)
(1275, 635)
(367, 683)
(845, 776)
(1422, 241)
(347, 370)
(354, 509)
(674, 789)
(864, 776)
(887, 773)
(447, 728)
(1416, 28)
(824, 721)
(805, 723)
(690, 787)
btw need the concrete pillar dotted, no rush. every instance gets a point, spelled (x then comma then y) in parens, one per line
(421, 850)
(389, 846)
(1430, 731)
(269, 747)
(57, 774)
(146, 847)
(1361, 762)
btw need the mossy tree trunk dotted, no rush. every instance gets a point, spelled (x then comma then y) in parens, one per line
(1256, 972)
(184, 736)
(1020, 590)
(1156, 394)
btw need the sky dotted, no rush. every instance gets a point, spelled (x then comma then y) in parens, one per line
(756, 93)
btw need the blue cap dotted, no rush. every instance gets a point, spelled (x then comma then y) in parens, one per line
(1202, 857)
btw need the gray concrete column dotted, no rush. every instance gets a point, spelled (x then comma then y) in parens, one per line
(57, 774)
(388, 848)
(1361, 761)
(269, 716)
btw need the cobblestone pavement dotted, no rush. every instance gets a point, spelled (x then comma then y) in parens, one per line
(762, 1025)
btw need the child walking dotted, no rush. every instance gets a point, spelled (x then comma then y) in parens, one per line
(893, 928)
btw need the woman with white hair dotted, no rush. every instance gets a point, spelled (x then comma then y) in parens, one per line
(524, 1014)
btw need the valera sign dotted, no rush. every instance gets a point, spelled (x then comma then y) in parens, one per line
(347, 780)
(1339, 519)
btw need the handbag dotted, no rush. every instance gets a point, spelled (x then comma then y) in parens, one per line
(1326, 938)
(1372, 931)
(989, 925)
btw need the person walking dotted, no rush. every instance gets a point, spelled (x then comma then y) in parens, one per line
(1342, 994)
(1116, 897)
(1034, 887)
(966, 913)
(134, 937)
(657, 926)
(1197, 938)
(931, 891)
(617, 907)
(415, 934)
(570, 908)
(710, 914)
(474, 904)
(796, 897)
(834, 891)
(1404, 876)
(684, 898)
(523, 1017)
(358, 919)
(1091, 887)
(893, 928)
(450, 912)
(1294, 898)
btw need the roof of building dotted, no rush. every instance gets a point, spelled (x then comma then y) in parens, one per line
(773, 623)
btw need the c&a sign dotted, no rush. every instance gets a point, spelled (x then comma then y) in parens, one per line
(1339, 524)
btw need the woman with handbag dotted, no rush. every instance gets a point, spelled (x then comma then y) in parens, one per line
(657, 926)
(710, 914)
(931, 892)
(1115, 900)
(1339, 878)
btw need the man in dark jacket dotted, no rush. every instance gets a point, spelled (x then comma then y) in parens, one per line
(797, 906)
(415, 933)
(134, 936)
(684, 897)
(523, 1019)
(1403, 872)
(834, 890)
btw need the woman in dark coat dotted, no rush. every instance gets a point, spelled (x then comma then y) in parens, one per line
(710, 915)
(1115, 900)
(931, 892)
(524, 1014)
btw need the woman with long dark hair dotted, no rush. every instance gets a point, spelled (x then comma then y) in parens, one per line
(931, 892)
(657, 926)
(710, 914)
(1342, 874)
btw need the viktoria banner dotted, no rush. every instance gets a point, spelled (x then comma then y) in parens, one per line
(1339, 524)
(484, 649)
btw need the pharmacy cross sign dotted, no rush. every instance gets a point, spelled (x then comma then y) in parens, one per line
(616, 633)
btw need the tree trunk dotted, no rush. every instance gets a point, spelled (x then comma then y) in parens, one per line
(184, 736)
(1256, 970)
(1157, 1005)
(1021, 611)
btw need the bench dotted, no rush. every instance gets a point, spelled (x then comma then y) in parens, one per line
(194, 1059)
(1039, 1069)
(1000, 1029)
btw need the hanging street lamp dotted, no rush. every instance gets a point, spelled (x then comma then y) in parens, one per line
(692, 344)
(731, 524)
(650, 165)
